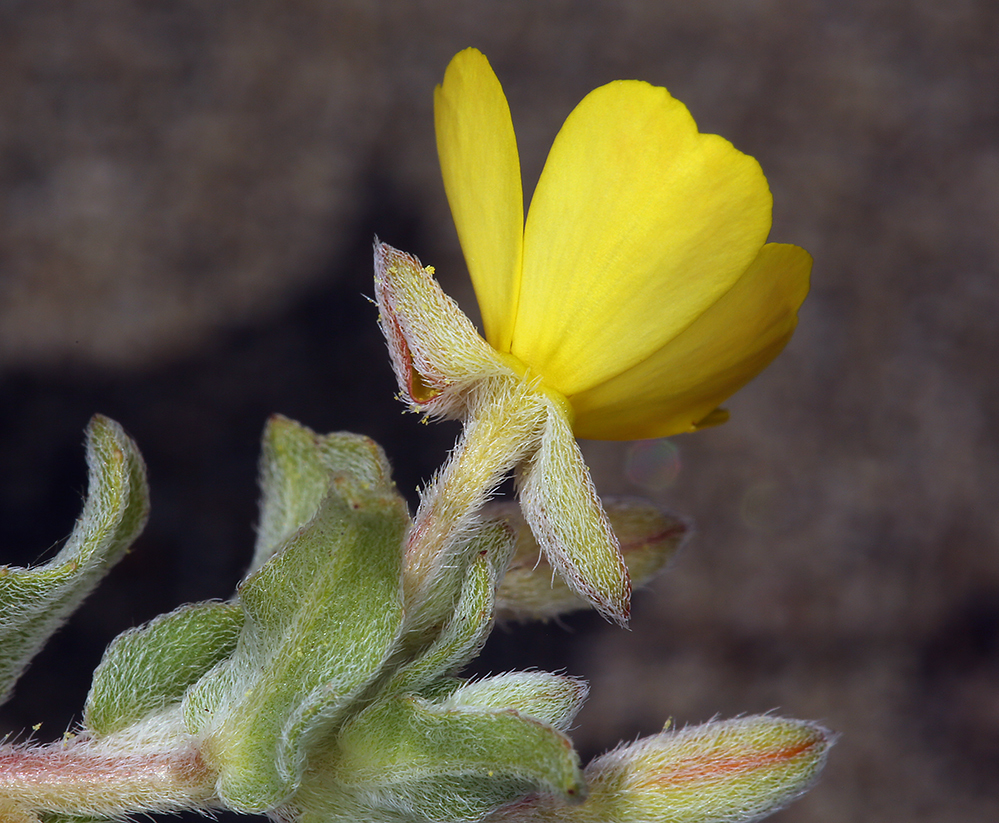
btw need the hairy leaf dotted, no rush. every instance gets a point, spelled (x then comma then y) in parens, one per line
(146, 669)
(321, 617)
(35, 601)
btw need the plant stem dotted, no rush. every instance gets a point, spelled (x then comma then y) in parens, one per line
(82, 777)
(501, 429)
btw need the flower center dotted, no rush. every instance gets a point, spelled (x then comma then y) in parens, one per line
(535, 380)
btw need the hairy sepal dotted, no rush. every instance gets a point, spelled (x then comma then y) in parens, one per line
(437, 355)
(560, 504)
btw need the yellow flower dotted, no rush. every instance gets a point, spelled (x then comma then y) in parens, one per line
(638, 296)
(640, 288)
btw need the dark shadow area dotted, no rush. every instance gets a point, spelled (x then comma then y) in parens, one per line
(197, 421)
(959, 674)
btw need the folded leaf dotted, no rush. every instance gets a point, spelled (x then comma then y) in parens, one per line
(295, 467)
(35, 601)
(468, 622)
(428, 762)
(147, 669)
(321, 617)
(731, 771)
(551, 698)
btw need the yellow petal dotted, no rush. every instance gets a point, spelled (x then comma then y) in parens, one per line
(719, 352)
(638, 223)
(481, 169)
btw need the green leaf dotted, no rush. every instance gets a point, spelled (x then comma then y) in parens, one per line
(470, 619)
(552, 698)
(321, 618)
(295, 467)
(446, 764)
(35, 601)
(149, 668)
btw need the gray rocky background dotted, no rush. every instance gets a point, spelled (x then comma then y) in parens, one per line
(188, 194)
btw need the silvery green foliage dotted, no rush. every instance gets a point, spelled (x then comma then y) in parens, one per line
(295, 469)
(37, 600)
(315, 694)
(149, 669)
(326, 691)
(306, 736)
(321, 617)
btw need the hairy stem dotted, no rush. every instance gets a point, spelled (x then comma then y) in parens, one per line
(502, 428)
(81, 777)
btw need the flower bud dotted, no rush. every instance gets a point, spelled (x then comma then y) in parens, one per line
(721, 772)
(648, 537)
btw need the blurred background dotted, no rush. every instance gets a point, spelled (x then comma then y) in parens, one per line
(188, 196)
